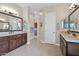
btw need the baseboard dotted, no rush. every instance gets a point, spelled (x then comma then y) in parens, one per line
(36, 36)
(28, 42)
(57, 44)
(42, 41)
(31, 38)
(49, 43)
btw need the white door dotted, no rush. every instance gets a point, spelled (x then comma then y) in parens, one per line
(50, 27)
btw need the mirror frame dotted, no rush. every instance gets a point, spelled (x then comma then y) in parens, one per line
(9, 24)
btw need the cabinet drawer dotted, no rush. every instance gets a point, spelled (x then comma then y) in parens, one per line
(17, 36)
(12, 37)
(4, 38)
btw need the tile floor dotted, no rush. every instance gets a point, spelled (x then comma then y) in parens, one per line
(36, 48)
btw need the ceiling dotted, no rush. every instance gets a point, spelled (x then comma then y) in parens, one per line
(36, 6)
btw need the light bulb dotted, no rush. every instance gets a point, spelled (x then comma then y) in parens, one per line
(41, 13)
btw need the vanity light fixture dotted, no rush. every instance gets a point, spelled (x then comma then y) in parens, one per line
(8, 10)
(73, 5)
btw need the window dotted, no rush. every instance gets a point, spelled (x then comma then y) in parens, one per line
(72, 25)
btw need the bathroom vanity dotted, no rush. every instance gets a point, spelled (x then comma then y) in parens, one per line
(69, 44)
(11, 32)
(69, 41)
(10, 41)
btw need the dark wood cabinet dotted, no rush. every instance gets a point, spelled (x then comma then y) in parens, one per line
(3, 45)
(10, 43)
(69, 48)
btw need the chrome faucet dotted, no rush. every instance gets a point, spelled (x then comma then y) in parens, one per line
(10, 32)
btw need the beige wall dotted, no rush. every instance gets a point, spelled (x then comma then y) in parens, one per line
(61, 13)
(12, 6)
(29, 19)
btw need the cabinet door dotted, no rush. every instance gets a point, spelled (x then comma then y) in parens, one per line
(19, 40)
(24, 40)
(3, 45)
(13, 44)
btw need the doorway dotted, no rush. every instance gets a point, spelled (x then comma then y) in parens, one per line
(35, 31)
(50, 27)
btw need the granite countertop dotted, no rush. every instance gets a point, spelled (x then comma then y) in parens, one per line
(70, 37)
(11, 33)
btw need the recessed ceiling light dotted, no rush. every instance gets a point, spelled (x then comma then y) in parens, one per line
(41, 13)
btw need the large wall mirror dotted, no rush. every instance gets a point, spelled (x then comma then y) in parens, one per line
(9, 22)
(74, 21)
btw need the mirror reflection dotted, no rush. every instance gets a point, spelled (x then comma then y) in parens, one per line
(74, 21)
(4, 25)
(15, 23)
